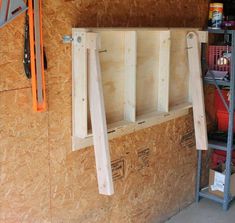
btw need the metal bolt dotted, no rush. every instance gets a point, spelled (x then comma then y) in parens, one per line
(190, 36)
(103, 51)
(67, 39)
(79, 39)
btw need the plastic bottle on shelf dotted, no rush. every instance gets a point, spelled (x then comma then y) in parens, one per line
(215, 15)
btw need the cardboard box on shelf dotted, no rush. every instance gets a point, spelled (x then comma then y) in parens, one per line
(217, 181)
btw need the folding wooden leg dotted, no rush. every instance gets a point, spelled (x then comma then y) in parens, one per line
(98, 119)
(196, 86)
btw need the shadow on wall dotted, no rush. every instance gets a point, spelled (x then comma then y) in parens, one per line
(132, 13)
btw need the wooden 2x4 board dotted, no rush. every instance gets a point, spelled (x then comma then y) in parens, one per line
(145, 79)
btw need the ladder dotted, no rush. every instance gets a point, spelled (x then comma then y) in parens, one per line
(228, 147)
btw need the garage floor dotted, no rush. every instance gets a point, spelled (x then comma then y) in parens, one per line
(205, 212)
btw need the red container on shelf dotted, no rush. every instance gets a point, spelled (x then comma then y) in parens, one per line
(221, 111)
(223, 119)
(223, 153)
(220, 157)
(219, 105)
(214, 53)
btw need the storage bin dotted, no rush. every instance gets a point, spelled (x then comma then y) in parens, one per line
(223, 119)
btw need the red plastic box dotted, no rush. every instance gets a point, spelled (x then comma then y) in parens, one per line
(223, 118)
(220, 157)
(219, 105)
(221, 111)
(214, 53)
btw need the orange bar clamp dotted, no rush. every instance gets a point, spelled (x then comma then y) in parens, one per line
(36, 55)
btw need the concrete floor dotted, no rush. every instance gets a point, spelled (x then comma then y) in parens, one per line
(205, 212)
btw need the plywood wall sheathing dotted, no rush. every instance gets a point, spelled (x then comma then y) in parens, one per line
(164, 71)
(130, 76)
(41, 179)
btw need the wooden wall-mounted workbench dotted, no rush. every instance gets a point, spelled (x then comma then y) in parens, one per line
(145, 79)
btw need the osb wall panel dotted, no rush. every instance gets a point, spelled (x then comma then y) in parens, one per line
(157, 177)
(41, 180)
(24, 159)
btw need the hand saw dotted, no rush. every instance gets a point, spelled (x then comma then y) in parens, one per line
(9, 9)
(36, 71)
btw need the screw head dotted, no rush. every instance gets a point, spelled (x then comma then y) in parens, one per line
(190, 36)
(79, 39)
(67, 39)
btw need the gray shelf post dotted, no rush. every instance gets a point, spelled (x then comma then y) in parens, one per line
(227, 196)
(228, 147)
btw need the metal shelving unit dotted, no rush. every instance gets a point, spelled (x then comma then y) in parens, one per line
(228, 147)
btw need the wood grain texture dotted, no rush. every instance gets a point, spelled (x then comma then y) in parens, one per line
(79, 78)
(179, 80)
(196, 84)
(147, 74)
(43, 182)
(130, 77)
(24, 160)
(164, 71)
(98, 117)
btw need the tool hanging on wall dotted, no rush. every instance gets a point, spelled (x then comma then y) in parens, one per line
(34, 56)
(26, 60)
(9, 9)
